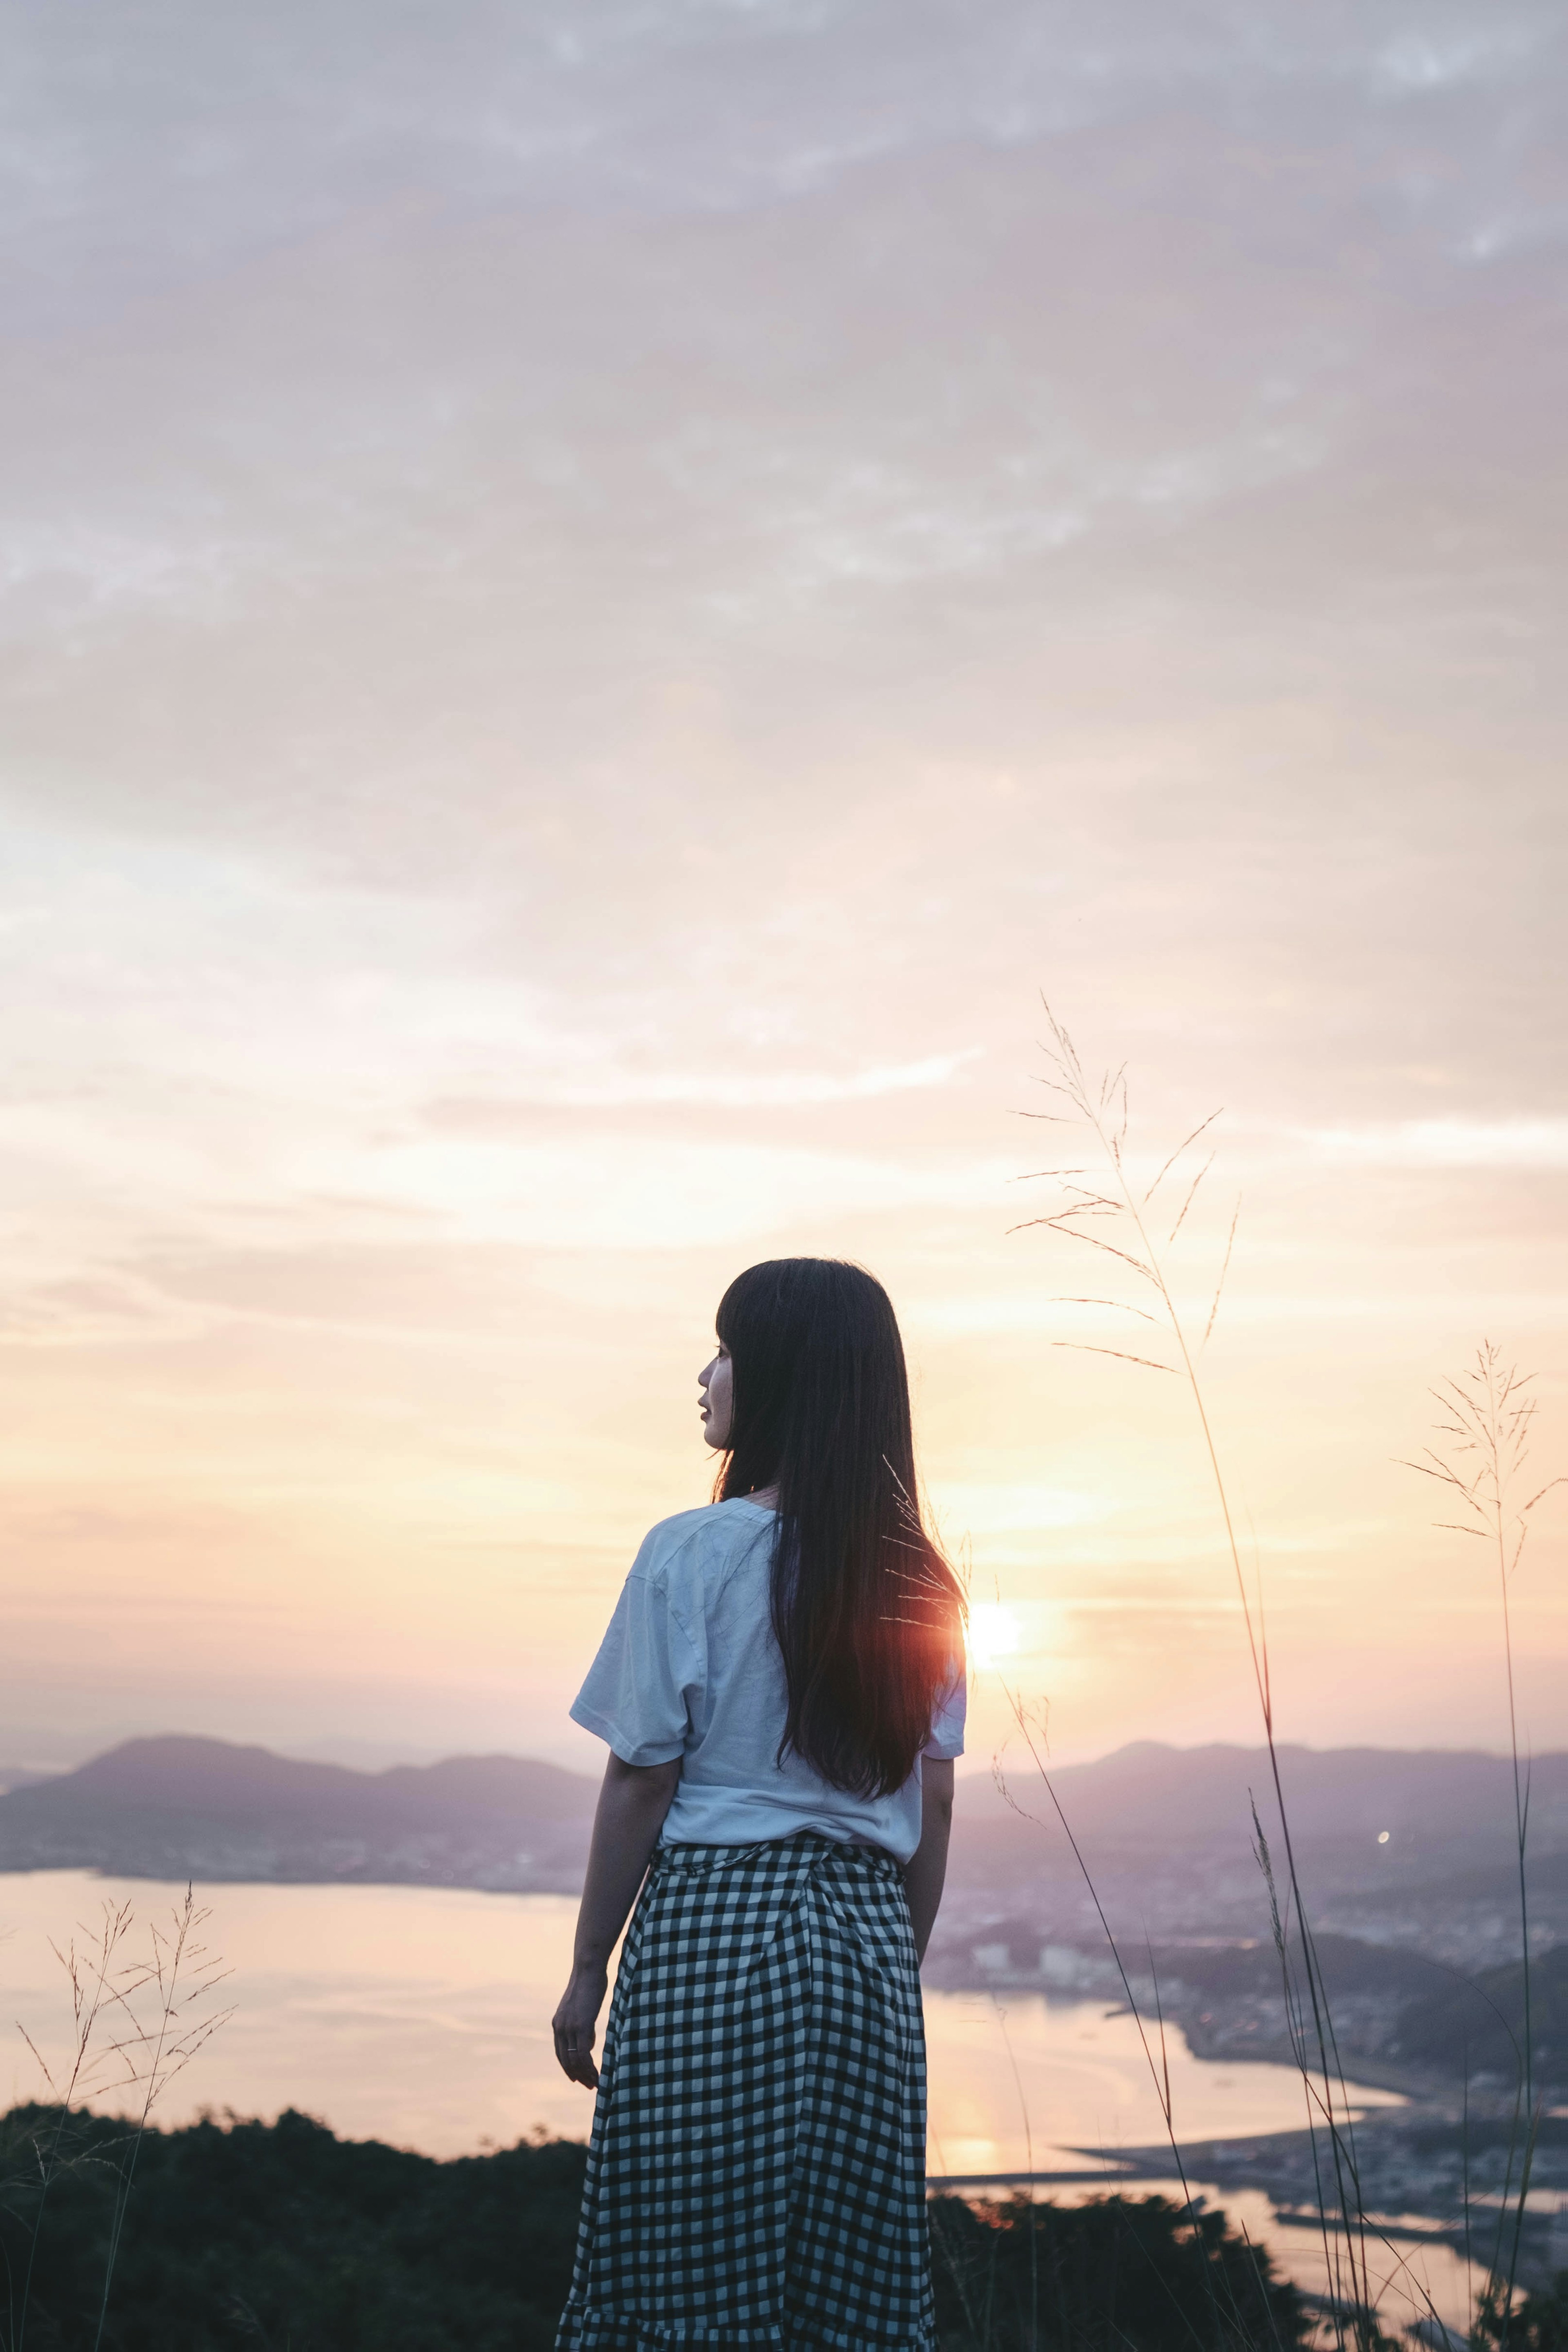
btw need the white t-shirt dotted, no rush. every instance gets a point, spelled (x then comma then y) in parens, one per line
(690, 1668)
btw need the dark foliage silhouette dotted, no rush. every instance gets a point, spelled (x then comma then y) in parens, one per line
(1133, 2273)
(283, 2237)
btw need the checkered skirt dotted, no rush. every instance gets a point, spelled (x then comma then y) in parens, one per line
(756, 2174)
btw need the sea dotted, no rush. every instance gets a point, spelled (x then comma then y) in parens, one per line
(421, 2016)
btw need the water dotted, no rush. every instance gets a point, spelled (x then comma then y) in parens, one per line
(421, 2016)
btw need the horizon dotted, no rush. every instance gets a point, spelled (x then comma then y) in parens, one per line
(967, 1770)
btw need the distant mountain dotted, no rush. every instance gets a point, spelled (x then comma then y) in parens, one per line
(177, 1808)
(1408, 1850)
(1380, 1817)
(1167, 1834)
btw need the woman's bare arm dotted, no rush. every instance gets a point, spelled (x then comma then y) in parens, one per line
(633, 1802)
(927, 1867)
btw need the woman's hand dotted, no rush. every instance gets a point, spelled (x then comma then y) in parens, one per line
(574, 2021)
(633, 1803)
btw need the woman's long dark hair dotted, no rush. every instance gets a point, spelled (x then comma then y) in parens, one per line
(868, 1614)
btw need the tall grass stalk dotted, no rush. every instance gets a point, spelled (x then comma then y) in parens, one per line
(90, 1976)
(1029, 2161)
(184, 1973)
(1104, 1207)
(1033, 1735)
(137, 2020)
(1480, 1464)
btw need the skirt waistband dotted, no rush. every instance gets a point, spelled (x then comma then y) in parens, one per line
(802, 1845)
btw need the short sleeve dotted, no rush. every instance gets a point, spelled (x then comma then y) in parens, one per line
(647, 1677)
(947, 1719)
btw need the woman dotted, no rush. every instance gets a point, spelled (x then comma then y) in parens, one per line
(782, 1690)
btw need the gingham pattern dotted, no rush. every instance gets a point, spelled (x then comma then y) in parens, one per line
(756, 2174)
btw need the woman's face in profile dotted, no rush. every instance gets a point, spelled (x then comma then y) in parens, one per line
(716, 1401)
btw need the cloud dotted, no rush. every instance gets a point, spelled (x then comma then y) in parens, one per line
(969, 1508)
(739, 1090)
(658, 1193)
(596, 597)
(1508, 1143)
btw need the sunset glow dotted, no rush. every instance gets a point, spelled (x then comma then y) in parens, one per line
(582, 646)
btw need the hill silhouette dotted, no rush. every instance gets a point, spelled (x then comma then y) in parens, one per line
(1381, 1834)
(1379, 1815)
(178, 1807)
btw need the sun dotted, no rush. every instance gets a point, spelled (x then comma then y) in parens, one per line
(993, 1633)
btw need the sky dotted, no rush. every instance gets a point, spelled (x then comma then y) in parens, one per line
(596, 600)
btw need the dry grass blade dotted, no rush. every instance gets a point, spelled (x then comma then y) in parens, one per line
(1117, 1305)
(40, 2061)
(1225, 1269)
(1435, 1468)
(1085, 1348)
(1202, 1127)
(1093, 1241)
(1191, 1196)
